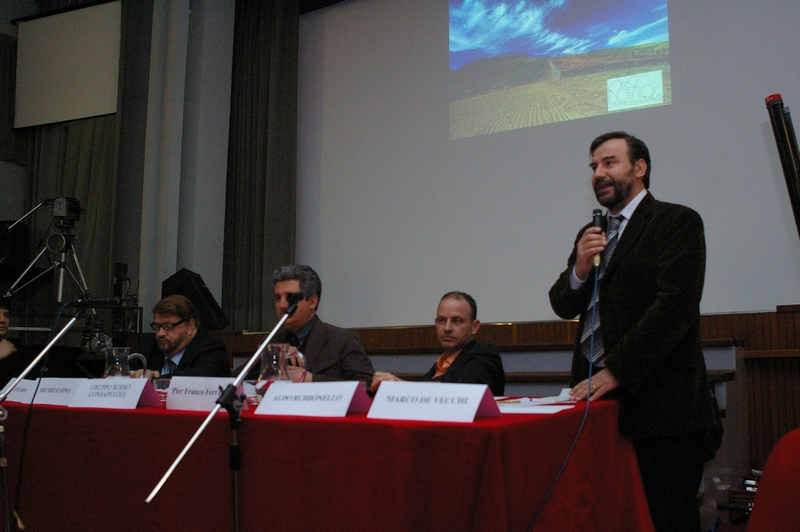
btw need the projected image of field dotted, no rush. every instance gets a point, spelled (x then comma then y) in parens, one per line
(574, 89)
(518, 64)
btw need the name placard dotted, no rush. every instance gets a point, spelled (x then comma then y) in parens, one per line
(432, 401)
(56, 391)
(23, 393)
(196, 393)
(323, 399)
(120, 393)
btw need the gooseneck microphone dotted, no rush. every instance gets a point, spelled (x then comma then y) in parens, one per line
(293, 299)
(597, 221)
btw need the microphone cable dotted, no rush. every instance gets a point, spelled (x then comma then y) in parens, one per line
(585, 411)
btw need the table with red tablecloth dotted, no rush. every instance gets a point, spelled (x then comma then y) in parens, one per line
(92, 469)
(777, 503)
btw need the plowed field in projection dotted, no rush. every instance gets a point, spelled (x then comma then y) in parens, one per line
(545, 102)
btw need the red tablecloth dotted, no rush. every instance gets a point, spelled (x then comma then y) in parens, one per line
(93, 470)
(776, 507)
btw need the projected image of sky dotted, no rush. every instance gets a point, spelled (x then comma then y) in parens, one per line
(570, 59)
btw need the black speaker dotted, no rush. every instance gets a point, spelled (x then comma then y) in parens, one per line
(190, 285)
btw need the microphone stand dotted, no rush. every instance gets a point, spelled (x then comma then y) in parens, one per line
(7, 229)
(9, 292)
(4, 413)
(233, 404)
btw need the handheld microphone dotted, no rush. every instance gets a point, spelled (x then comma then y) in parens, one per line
(597, 221)
(103, 302)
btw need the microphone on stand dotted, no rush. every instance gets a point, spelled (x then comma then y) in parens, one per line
(294, 298)
(597, 221)
(230, 401)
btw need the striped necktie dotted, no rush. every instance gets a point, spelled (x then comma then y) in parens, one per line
(592, 338)
(171, 367)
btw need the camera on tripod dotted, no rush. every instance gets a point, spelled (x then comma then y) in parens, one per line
(66, 211)
(61, 243)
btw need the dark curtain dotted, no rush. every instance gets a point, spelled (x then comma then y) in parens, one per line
(13, 143)
(262, 159)
(77, 159)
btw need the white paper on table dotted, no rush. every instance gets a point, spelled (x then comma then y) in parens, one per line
(536, 405)
(532, 409)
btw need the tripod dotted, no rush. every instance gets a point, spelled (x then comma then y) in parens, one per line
(61, 243)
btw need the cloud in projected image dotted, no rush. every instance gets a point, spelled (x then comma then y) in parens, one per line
(483, 28)
(559, 50)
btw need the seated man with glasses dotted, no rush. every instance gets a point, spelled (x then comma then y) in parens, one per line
(183, 347)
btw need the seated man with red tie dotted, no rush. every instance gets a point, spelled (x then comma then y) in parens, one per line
(183, 347)
(463, 360)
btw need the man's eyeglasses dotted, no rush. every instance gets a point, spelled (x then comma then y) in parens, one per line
(166, 326)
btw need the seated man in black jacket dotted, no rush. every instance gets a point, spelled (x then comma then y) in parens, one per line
(463, 360)
(183, 347)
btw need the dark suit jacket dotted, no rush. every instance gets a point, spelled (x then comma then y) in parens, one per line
(334, 354)
(205, 356)
(475, 364)
(650, 318)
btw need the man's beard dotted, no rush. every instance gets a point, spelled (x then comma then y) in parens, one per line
(622, 191)
(170, 346)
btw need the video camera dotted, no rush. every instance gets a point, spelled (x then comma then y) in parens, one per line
(66, 211)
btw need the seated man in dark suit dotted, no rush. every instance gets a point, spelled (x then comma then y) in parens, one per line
(331, 353)
(464, 360)
(15, 359)
(183, 347)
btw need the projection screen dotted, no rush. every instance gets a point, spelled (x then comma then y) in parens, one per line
(394, 210)
(67, 65)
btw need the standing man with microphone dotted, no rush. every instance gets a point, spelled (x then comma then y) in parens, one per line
(636, 280)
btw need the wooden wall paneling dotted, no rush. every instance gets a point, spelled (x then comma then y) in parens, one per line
(773, 385)
(792, 330)
(787, 334)
(770, 373)
(772, 331)
(757, 413)
(756, 332)
(792, 388)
